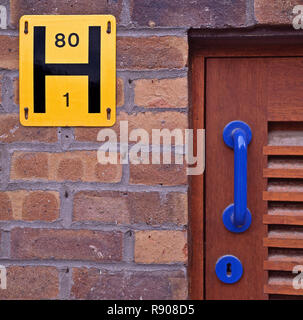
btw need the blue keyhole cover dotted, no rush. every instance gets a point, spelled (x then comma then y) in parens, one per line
(229, 269)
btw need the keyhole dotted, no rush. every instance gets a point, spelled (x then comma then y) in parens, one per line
(228, 269)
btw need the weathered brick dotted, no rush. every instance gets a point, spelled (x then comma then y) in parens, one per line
(150, 208)
(146, 120)
(12, 131)
(27, 243)
(156, 209)
(28, 165)
(41, 205)
(107, 173)
(6, 211)
(29, 205)
(105, 206)
(195, 14)
(163, 246)
(158, 174)
(120, 92)
(275, 12)
(164, 93)
(160, 120)
(19, 8)
(16, 90)
(70, 166)
(31, 283)
(9, 53)
(95, 284)
(70, 169)
(88, 133)
(1, 88)
(166, 52)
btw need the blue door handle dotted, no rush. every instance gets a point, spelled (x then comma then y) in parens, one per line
(236, 217)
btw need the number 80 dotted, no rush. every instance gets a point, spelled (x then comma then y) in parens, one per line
(60, 40)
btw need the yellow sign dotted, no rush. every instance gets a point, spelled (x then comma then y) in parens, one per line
(68, 70)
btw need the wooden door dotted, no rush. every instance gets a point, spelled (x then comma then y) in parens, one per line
(234, 92)
(266, 92)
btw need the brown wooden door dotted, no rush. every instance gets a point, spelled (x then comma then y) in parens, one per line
(267, 94)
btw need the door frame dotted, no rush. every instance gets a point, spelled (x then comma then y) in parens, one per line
(211, 44)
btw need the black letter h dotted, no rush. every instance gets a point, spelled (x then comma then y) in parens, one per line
(92, 69)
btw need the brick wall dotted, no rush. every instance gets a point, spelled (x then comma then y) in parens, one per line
(71, 228)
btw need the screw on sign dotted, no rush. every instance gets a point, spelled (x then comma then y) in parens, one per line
(68, 70)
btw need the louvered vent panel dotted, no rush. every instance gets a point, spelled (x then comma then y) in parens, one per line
(284, 218)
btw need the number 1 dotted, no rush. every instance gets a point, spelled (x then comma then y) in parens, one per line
(67, 99)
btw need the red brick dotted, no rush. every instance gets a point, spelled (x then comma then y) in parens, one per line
(108, 172)
(195, 14)
(158, 174)
(57, 244)
(94, 284)
(150, 208)
(275, 12)
(163, 246)
(26, 165)
(1, 89)
(9, 53)
(153, 208)
(67, 166)
(146, 120)
(16, 90)
(31, 283)
(166, 52)
(120, 92)
(164, 93)
(154, 120)
(29, 205)
(105, 206)
(19, 8)
(12, 131)
(41, 205)
(87, 133)
(5, 207)
(70, 169)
